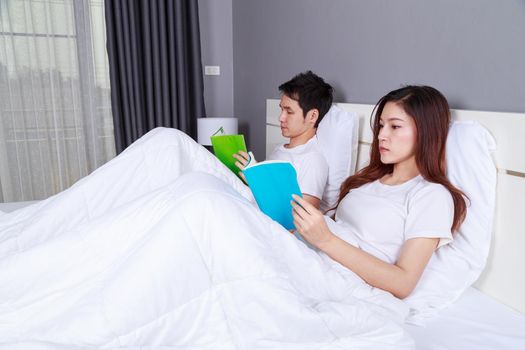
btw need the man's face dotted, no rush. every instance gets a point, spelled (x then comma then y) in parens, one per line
(293, 123)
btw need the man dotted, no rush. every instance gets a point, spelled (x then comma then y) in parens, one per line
(305, 100)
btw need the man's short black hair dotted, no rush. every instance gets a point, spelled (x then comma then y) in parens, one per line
(310, 91)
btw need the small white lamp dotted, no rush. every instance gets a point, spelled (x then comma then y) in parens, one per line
(207, 127)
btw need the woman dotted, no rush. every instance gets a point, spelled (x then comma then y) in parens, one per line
(401, 207)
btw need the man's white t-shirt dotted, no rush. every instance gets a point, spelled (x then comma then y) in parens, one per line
(380, 218)
(310, 164)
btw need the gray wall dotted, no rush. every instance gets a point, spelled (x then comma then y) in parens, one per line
(215, 17)
(471, 50)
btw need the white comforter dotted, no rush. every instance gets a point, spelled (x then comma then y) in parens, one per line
(147, 253)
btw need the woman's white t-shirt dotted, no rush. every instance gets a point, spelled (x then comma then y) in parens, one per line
(382, 217)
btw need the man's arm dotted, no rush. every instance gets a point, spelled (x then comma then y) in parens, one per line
(316, 202)
(312, 175)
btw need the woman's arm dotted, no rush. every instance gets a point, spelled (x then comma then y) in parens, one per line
(399, 278)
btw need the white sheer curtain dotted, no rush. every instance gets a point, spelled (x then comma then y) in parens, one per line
(55, 112)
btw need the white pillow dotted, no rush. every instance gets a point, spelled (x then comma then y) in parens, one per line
(454, 267)
(337, 134)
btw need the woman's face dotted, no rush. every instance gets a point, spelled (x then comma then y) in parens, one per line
(397, 135)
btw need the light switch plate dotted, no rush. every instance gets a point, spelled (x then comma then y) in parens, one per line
(212, 70)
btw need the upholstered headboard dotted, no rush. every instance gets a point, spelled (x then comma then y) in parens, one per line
(503, 277)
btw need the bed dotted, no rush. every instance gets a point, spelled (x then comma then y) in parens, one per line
(169, 307)
(491, 313)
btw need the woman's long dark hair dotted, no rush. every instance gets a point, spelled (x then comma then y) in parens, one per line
(431, 114)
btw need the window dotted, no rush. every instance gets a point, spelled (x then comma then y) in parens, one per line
(55, 115)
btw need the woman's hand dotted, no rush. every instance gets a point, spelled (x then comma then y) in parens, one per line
(310, 223)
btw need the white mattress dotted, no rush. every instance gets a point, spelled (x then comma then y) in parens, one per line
(475, 321)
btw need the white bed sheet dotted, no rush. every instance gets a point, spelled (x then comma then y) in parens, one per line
(12, 206)
(475, 321)
(154, 221)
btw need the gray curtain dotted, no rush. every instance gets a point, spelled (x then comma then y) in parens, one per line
(155, 66)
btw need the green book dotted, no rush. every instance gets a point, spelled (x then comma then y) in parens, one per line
(225, 146)
(272, 184)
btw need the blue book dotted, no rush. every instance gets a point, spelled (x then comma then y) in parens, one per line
(272, 184)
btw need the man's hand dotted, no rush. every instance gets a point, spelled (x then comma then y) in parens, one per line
(242, 160)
